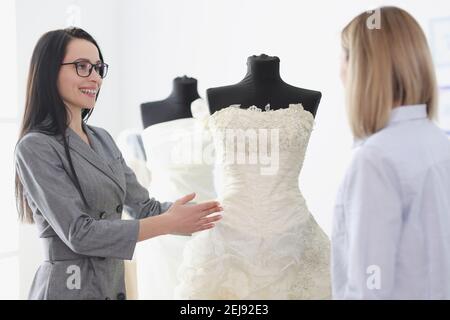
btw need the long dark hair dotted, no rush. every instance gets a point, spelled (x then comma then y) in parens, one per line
(43, 101)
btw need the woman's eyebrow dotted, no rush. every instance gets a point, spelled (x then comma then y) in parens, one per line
(86, 59)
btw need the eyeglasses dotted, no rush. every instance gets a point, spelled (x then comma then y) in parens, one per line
(84, 68)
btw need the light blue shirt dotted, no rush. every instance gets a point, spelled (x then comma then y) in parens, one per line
(391, 223)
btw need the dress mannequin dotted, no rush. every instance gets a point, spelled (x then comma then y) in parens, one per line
(262, 85)
(173, 139)
(176, 106)
(268, 244)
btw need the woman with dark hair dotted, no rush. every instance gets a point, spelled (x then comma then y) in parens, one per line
(72, 181)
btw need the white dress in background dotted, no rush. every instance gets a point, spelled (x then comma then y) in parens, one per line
(268, 245)
(180, 157)
(129, 142)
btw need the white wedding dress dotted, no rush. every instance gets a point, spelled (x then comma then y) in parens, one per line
(180, 158)
(268, 245)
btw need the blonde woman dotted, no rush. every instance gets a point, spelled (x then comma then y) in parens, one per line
(391, 225)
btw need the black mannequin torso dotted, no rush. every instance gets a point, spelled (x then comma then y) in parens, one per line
(262, 85)
(176, 106)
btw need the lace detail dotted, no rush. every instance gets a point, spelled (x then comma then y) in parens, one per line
(268, 245)
(254, 108)
(236, 117)
(289, 128)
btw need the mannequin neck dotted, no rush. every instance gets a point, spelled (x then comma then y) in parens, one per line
(263, 69)
(184, 89)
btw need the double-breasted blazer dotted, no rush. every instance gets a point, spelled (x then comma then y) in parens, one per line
(84, 244)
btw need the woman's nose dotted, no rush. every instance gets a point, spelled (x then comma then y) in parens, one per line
(95, 77)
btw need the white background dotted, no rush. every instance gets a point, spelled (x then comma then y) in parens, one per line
(148, 43)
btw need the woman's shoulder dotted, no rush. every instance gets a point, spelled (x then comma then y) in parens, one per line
(34, 144)
(34, 138)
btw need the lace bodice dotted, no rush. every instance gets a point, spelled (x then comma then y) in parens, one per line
(294, 122)
(262, 143)
(292, 125)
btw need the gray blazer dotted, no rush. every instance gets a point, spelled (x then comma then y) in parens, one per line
(84, 245)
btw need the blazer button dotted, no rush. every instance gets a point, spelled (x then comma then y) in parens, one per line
(121, 296)
(102, 215)
(119, 208)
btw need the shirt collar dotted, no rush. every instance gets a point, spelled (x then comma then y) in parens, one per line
(401, 114)
(406, 113)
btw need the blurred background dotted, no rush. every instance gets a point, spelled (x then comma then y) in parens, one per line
(148, 43)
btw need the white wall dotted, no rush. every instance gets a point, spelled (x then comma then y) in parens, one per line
(148, 43)
(9, 228)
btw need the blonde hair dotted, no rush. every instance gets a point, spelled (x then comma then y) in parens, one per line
(387, 67)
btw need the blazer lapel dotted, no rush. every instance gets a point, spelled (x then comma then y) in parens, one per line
(94, 155)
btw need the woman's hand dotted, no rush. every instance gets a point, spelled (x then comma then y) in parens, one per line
(181, 219)
(184, 219)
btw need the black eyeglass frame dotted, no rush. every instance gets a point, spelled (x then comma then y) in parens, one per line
(91, 67)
